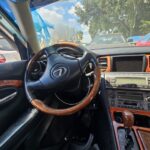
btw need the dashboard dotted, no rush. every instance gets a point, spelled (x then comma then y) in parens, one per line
(127, 79)
(126, 72)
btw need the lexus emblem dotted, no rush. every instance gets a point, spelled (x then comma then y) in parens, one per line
(59, 72)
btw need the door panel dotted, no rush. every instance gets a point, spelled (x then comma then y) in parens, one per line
(7, 95)
(13, 101)
(12, 71)
(17, 118)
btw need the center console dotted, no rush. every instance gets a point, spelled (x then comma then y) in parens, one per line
(131, 134)
(128, 90)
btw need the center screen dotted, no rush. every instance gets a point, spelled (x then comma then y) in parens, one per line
(128, 64)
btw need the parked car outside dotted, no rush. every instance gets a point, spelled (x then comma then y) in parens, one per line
(2, 59)
(145, 41)
(108, 40)
(134, 39)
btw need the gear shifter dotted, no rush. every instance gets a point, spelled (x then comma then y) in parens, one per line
(128, 121)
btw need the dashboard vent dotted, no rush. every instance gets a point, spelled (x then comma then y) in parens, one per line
(103, 64)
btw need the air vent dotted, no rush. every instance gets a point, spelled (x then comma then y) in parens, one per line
(103, 63)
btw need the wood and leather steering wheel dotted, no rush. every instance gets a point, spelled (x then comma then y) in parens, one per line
(61, 71)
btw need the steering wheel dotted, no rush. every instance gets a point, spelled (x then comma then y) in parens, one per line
(62, 72)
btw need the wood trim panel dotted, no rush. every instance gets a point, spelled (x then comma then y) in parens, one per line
(138, 112)
(109, 64)
(145, 138)
(147, 63)
(65, 43)
(136, 129)
(12, 83)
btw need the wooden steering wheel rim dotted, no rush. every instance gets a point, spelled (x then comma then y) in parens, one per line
(73, 109)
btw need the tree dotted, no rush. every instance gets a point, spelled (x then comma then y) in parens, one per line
(123, 16)
(145, 26)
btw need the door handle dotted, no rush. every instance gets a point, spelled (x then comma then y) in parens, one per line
(7, 98)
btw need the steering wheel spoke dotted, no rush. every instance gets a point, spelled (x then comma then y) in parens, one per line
(35, 85)
(83, 62)
(89, 74)
(49, 51)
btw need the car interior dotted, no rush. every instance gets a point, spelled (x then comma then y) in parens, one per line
(70, 95)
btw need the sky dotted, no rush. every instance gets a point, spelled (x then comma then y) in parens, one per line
(62, 14)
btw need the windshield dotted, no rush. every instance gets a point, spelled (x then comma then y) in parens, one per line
(93, 23)
(98, 23)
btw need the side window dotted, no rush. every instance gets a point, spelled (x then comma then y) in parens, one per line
(8, 53)
(8, 48)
